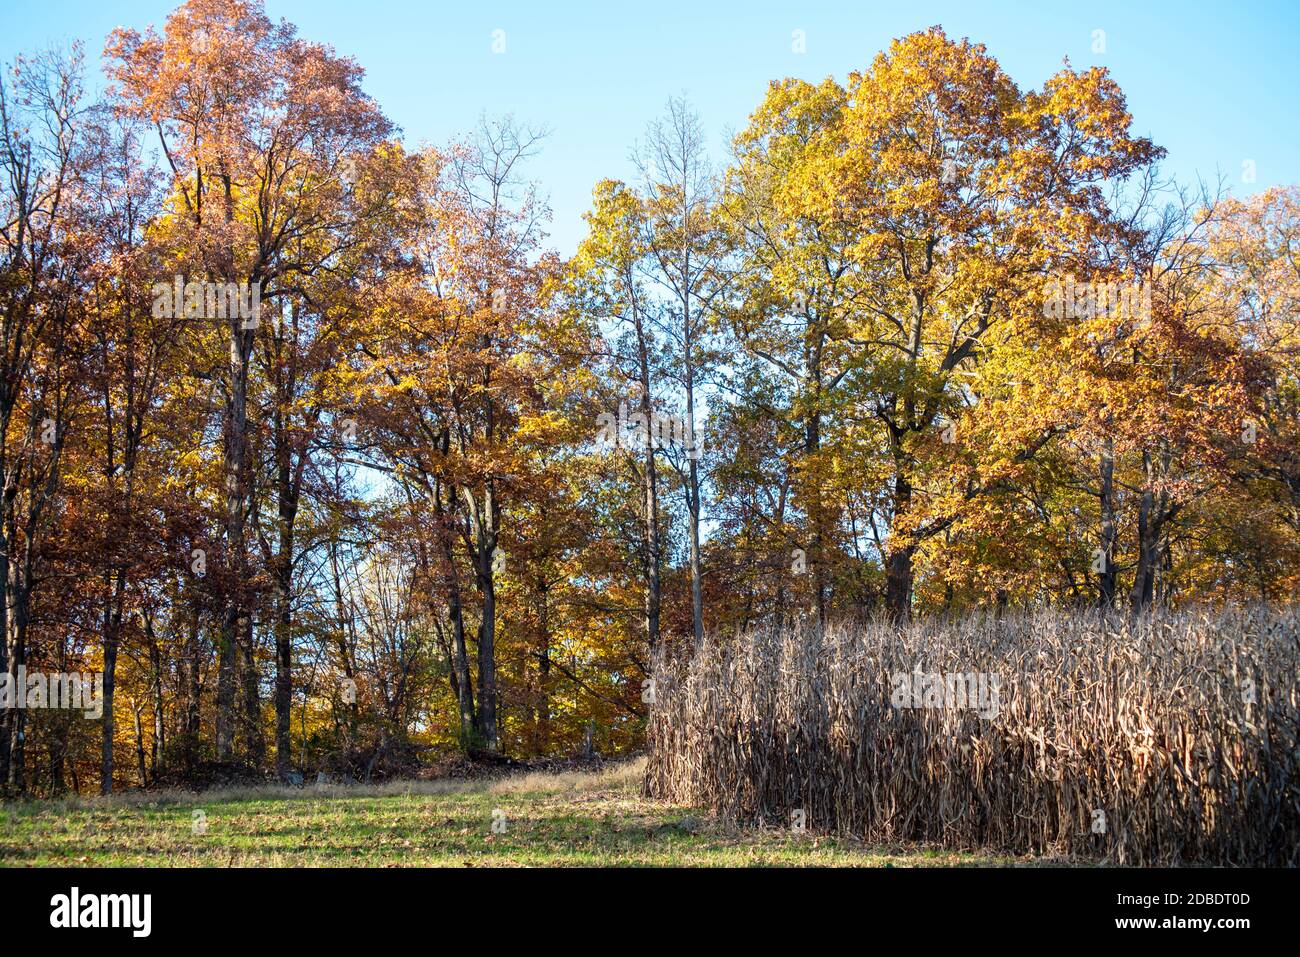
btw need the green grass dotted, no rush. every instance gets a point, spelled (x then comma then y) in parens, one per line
(550, 820)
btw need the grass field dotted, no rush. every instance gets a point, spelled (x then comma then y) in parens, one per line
(596, 819)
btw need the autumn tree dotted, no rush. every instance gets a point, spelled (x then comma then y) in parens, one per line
(256, 126)
(44, 253)
(683, 239)
(960, 195)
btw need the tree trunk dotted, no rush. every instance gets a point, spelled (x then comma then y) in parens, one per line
(139, 744)
(483, 549)
(898, 585)
(6, 715)
(1106, 584)
(283, 682)
(455, 610)
(112, 631)
(284, 626)
(235, 467)
(190, 681)
(693, 507)
(1143, 590)
(898, 570)
(17, 600)
(816, 509)
(487, 679)
(653, 597)
(254, 741)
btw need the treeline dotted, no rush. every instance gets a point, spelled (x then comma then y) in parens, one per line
(324, 461)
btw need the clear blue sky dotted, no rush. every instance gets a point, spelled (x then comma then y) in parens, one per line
(1213, 82)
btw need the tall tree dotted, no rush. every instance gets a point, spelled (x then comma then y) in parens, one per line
(43, 254)
(255, 124)
(684, 239)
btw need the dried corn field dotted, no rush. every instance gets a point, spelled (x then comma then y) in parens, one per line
(1171, 739)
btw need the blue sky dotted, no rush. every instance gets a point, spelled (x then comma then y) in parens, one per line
(1214, 83)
